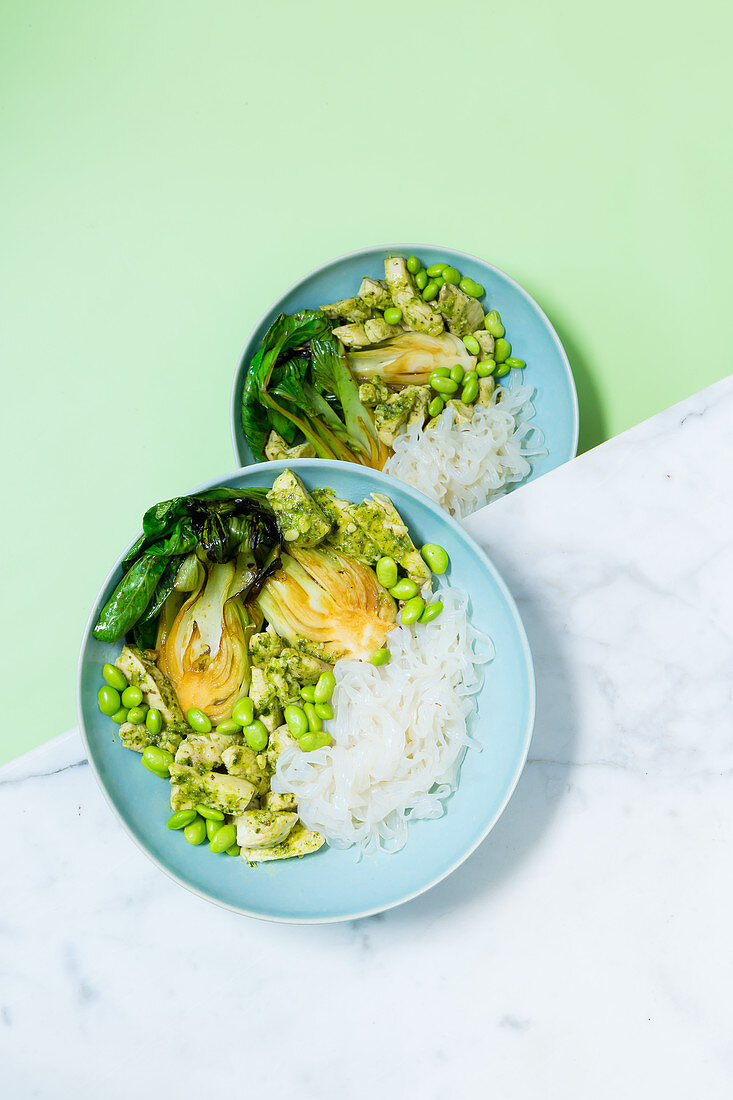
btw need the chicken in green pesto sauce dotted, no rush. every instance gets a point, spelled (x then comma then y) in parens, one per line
(231, 660)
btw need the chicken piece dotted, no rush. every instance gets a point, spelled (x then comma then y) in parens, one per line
(290, 670)
(353, 336)
(375, 293)
(346, 535)
(264, 696)
(486, 342)
(204, 751)
(371, 393)
(378, 329)
(263, 828)
(416, 313)
(301, 520)
(279, 802)
(241, 761)
(222, 792)
(462, 312)
(263, 646)
(279, 739)
(136, 736)
(301, 842)
(351, 309)
(382, 522)
(276, 448)
(486, 387)
(142, 672)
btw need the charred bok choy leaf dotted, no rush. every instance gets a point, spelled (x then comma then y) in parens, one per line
(219, 525)
(300, 385)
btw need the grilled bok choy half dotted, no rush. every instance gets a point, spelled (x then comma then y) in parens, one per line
(184, 590)
(299, 385)
(328, 604)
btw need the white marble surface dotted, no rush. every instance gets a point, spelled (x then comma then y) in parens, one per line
(583, 951)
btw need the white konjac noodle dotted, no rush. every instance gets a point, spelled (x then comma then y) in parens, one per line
(399, 734)
(462, 466)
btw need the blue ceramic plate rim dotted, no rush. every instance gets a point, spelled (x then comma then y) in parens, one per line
(324, 465)
(409, 249)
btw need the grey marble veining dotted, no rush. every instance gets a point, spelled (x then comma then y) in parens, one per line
(583, 950)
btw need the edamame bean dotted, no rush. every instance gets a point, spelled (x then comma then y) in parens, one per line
(412, 610)
(114, 677)
(243, 712)
(443, 385)
(470, 287)
(451, 275)
(132, 697)
(436, 269)
(230, 726)
(136, 715)
(234, 850)
(485, 368)
(442, 372)
(213, 827)
(325, 687)
(209, 812)
(386, 570)
(457, 373)
(435, 557)
(469, 393)
(154, 721)
(308, 742)
(381, 657)
(502, 370)
(435, 408)
(198, 721)
(492, 323)
(421, 280)
(393, 315)
(119, 716)
(157, 760)
(405, 589)
(315, 725)
(256, 735)
(413, 265)
(514, 363)
(472, 345)
(180, 819)
(108, 700)
(308, 693)
(439, 281)
(195, 833)
(324, 711)
(297, 720)
(502, 351)
(321, 740)
(431, 291)
(431, 611)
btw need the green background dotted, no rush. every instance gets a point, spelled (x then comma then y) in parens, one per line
(169, 168)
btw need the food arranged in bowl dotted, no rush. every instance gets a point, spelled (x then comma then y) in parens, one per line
(412, 374)
(293, 668)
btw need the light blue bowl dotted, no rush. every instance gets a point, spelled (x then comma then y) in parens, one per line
(532, 338)
(330, 885)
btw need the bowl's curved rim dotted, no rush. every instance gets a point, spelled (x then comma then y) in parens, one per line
(410, 248)
(322, 465)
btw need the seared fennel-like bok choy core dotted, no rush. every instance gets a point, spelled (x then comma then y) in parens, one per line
(235, 605)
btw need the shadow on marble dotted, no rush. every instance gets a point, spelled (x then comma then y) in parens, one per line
(528, 816)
